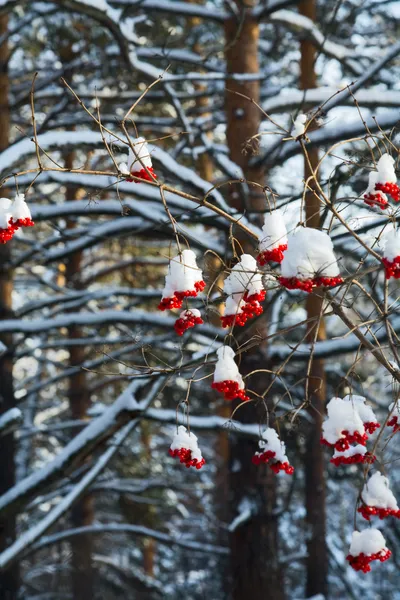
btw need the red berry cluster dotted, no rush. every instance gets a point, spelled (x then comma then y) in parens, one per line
(362, 561)
(251, 309)
(186, 322)
(230, 389)
(274, 255)
(392, 189)
(143, 174)
(392, 267)
(376, 200)
(371, 511)
(264, 458)
(371, 427)
(307, 285)
(185, 457)
(7, 234)
(351, 460)
(176, 300)
(394, 423)
(348, 439)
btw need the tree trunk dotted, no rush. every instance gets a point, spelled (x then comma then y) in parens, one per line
(79, 402)
(314, 467)
(255, 566)
(9, 581)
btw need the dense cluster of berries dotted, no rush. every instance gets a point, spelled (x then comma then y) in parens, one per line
(393, 422)
(187, 319)
(373, 511)
(142, 174)
(366, 458)
(272, 453)
(307, 285)
(376, 199)
(13, 215)
(392, 267)
(230, 389)
(245, 291)
(362, 561)
(273, 243)
(344, 442)
(274, 255)
(392, 189)
(176, 300)
(185, 457)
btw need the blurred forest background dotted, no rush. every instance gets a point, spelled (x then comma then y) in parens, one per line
(91, 504)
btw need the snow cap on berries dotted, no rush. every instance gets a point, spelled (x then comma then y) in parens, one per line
(363, 409)
(183, 274)
(310, 254)
(226, 367)
(244, 278)
(368, 541)
(386, 172)
(342, 416)
(185, 447)
(376, 492)
(390, 244)
(141, 157)
(299, 125)
(270, 441)
(274, 238)
(20, 209)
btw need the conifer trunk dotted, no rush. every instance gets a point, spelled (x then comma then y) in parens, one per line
(314, 467)
(9, 581)
(256, 573)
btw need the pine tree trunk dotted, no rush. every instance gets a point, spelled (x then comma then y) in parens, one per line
(314, 467)
(9, 581)
(79, 402)
(256, 573)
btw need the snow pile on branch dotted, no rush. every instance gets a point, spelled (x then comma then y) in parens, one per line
(364, 411)
(309, 261)
(299, 128)
(188, 319)
(184, 279)
(227, 379)
(378, 499)
(390, 245)
(245, 291)
(274, 241)
(272, 449)
(367, 546)
(139, 162)
(344, 426)
(382, 183)
(13, 216)
(185, 447)
(394, 409)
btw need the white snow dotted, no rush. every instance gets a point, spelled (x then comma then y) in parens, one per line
(19, 208)
(182, 275)
(244, 276)
(309, 253)
(368, 541)
(274, 232)
(299, 125)
(386, 173)
(342, 416)
(140, 157)
(194, 311)
(376, 492)
(364, 411)
(270, 441)
(5, 212)
(226, 369)
(390, 243)
(183, 439)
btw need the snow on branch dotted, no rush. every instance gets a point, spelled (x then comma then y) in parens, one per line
(125, 408)
(10, 420)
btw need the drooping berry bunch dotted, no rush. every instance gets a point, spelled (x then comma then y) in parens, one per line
(227, 379)
(185, 447)
(273, 243)
(139, 162)
(13, 215)
(187, 319)
(367, 546)
(382, 183)
(273, 453)
(244, 291)
(377, 499)
(363, 561)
